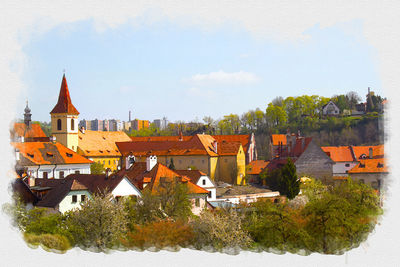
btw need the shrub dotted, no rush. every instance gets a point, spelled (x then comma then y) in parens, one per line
(48, 241)
(160, 234)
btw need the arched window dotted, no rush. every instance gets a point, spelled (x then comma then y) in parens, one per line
(72, 124)
(59, 124)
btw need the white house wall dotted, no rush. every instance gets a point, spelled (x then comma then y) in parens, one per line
(66, 204)
(37, 171)
(339, 168)
(126, 188)
(206, 183)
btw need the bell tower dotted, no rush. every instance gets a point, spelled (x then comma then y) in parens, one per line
(64, 119)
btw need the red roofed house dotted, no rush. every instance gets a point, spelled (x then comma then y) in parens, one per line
(310, 160)
(247, 140)
(221, 161)
(151, 175)
(48, 160)
(254, 169)
(344, 159)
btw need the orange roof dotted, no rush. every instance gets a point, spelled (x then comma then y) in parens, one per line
(64, 104)
(160, 172)
(377, 151)
(370, 166)
(228, 149)
(20, 129)
(278, 138)
(100, 143)
(47, 153)
(256, 166)
(198, 145)
(244, 139)
(339, 153)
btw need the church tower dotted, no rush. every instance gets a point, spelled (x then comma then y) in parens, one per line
(64, 119)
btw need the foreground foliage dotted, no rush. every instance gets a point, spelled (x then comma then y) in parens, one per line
(323, 219)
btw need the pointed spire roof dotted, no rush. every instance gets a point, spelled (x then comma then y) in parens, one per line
(64, 104)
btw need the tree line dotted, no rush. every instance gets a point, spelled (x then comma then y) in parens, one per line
(324, 219)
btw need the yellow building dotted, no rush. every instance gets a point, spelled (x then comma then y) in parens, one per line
(64, 119)
(99, 146)
(220, 161)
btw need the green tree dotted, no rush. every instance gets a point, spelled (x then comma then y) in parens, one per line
(99, 223)
(97, 168)
(290, 183)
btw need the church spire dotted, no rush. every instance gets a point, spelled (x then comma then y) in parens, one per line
(27, 115)
(64, 104)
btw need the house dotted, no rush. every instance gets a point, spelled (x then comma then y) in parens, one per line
(247, 141)
(330, 109)
(48, 160)
(310, 160)
(59, 195)
(223, 161)
(152, 175)
(66, 194)
(27, 131)
(372, 171)
(201, 179)
(100, 146)
(254, 169)
(344, 159)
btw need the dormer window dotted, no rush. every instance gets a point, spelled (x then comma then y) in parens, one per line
(30, 155)
(363, 156)
(49, 154)
(101, 151)
(362, 165)
(69, 155)
(380, 165)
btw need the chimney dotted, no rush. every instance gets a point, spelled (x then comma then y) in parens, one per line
(53, 139)
(215, 145)
(108, 172)
(180, 135)
(130, 160)
(129, 115)
(17, 157)
(370, 150)
(151, 161)
(22, 139)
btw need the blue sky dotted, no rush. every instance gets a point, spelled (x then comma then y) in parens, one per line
(186, 73)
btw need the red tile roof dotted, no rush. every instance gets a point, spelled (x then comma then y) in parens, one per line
(198, 145)
(20, 129)
(377, 151)
(339, 153)
(100, 143)
(244, 139)
(256, 166)
(139, 175)
(193, 175)
(64, 104)
(370, 166)
(47, 153)
(228, 148)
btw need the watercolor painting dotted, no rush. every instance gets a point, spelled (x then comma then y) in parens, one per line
(197, 131)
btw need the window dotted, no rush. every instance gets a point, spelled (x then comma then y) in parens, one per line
(226, 160)
(202, 161)
(74, 198)
(83, 198)
(59, 124)
(61, 174)
(209, 194)
(77, 172)
(204, 181)
(109, 162)
(72, 124)
(45, 174)
(197, 202)
(347, 165)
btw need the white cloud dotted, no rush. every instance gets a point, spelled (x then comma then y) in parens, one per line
(202, 93)
(222, 77)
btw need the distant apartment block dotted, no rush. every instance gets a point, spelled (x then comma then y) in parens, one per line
(161, 124)
(139, 124)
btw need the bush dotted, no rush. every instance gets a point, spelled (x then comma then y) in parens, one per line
(220, 230)
(48, 241)
(160, 235)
